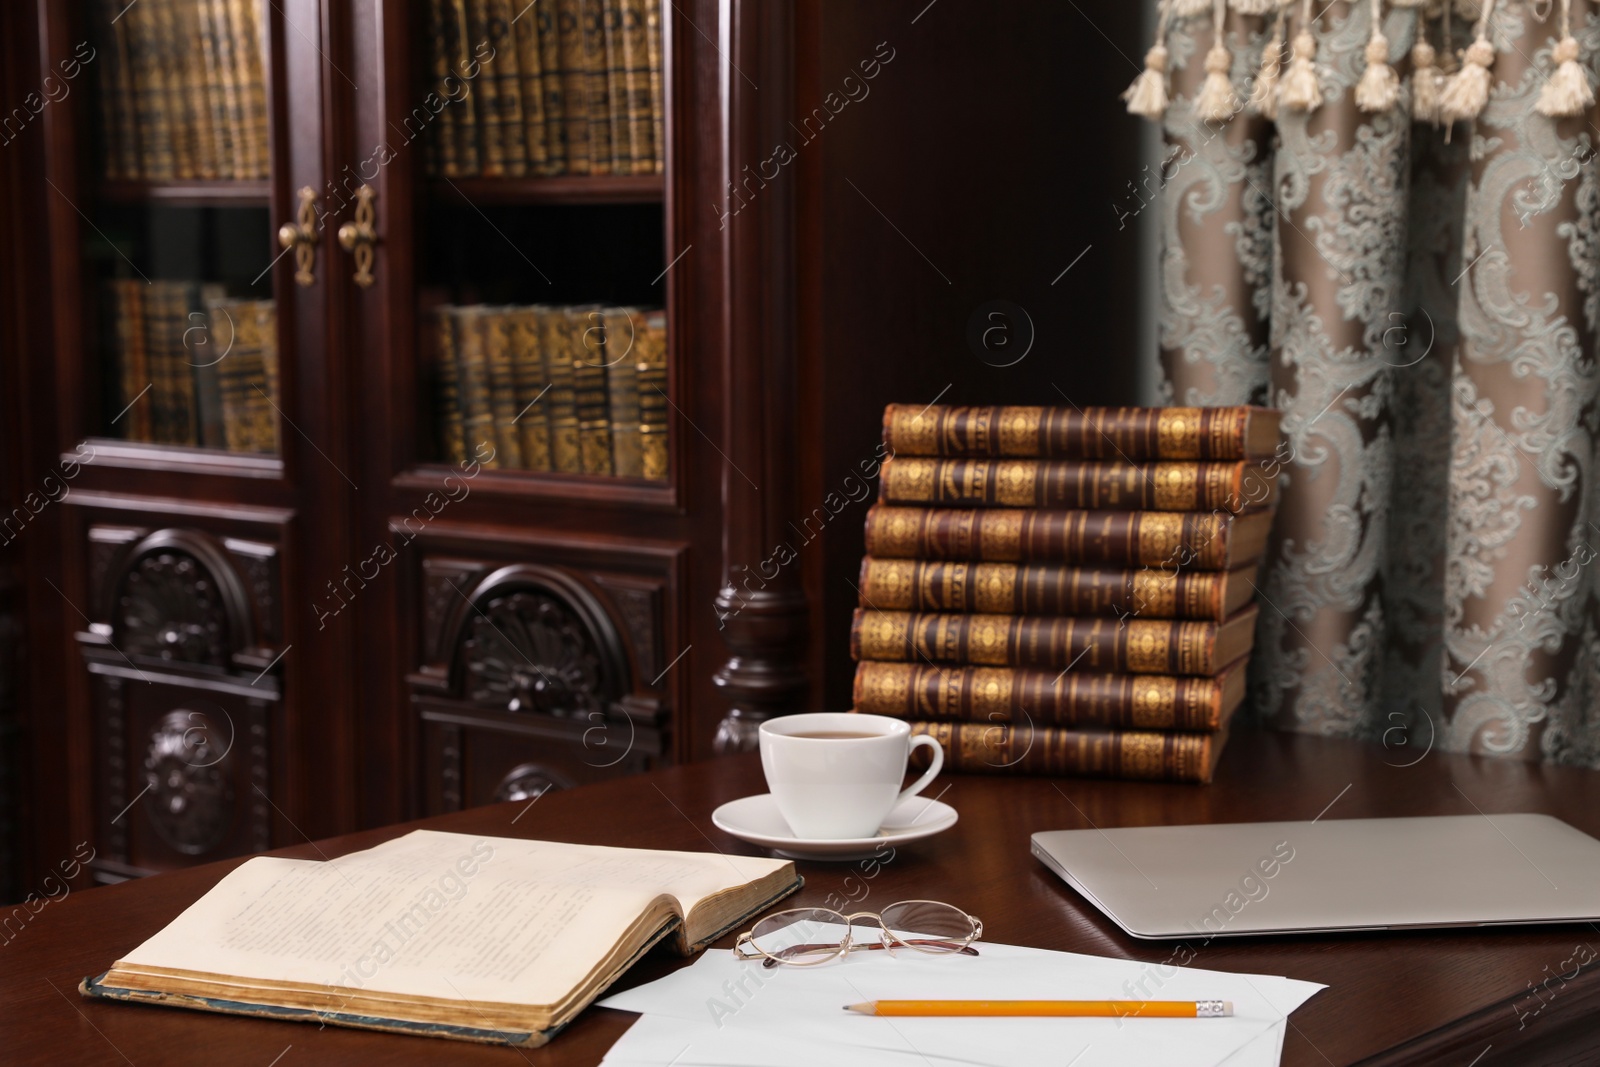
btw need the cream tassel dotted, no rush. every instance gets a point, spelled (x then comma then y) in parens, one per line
(1254, 7)
(1424, 83)
(1217, 102)
(1147, 96)
(1188, 9)
(1300, 90)
(1467, 93)
(1379, 86)
(1568, 92)
(1264, 94)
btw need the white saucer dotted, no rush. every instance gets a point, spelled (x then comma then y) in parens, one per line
(757, 820)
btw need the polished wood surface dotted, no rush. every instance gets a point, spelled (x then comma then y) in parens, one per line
(1503, 996)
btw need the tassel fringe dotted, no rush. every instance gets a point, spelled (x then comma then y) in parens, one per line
(1379, 87)
(1188, 9)
(1466, 94)
(1425, 78)
(1300, 90)
(1254, 7)
(1217, 101)
(1264, 93)
(1568, 92)
(1147, 96)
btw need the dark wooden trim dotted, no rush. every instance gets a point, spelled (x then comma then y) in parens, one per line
(196, 193)
(566, 189)
(764, 627)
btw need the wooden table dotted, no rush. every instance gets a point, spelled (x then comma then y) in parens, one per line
(1505, 996)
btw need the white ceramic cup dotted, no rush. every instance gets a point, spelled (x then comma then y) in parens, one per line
(840, 787)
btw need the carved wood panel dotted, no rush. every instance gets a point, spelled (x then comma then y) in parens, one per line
(185, 714)
(533, 675)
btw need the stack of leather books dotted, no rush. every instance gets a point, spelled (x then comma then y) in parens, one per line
(1065, 590)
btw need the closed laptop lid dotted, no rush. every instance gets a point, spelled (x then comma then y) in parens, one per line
(1227, 879)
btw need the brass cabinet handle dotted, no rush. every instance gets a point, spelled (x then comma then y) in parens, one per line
(359, 236)
(301, 236)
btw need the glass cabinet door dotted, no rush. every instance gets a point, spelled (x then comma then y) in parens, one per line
(540, 228)
(177, 237)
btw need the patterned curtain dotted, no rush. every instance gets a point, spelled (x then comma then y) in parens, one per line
(1421, 299)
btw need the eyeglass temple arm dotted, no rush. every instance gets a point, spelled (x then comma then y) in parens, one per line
(773, 959)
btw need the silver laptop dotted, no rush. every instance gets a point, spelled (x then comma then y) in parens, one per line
(1228, 879)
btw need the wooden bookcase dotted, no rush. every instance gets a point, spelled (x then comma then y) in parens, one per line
(222, 651)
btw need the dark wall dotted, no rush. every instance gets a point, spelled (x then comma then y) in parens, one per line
(938, 211)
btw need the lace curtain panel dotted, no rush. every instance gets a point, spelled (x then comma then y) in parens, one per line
(1420, 296)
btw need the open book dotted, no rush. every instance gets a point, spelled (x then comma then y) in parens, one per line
(477, 938)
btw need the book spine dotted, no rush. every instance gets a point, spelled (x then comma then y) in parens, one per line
(530, 69)
(452, 427)
(636, 86)
(444, 158)
(232, 376)
(150, 105)
(202, 348)
(617, 87)
(212, 37)
(185, 416)
(476, 407)
(527, 371)
(658, 104)
(486, 87)
(1015, 535)
(170, 51)
(506, 72)
(597, 106)
(575, 114)
(622, 385)
(245, 20)
(1128, 434)
(502, 388)
(258, 433)
(1134, 754)
(650, 349)
(458, 35)
(268, 403)
(998, 695)
(1013, 589)
(191, 59)
(586, 333)
(127, 301)
(561, 399)
(1114, 485)
(1141, 646)
(113, 130)
(551, 78)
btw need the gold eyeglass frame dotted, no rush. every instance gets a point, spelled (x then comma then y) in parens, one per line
(745, 948)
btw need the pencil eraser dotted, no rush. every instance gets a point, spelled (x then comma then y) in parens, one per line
(1227, 1007)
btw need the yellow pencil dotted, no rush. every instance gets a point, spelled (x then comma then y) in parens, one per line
(1118, 1009)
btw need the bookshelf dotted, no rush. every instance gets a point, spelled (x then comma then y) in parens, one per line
(364, 631)
(322, 607)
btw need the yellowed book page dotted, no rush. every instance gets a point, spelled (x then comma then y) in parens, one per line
(445, 916)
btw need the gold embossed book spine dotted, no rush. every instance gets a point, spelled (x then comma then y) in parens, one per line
(1139, 646)
(1172, 539)
(1113, 485)
(1044, 589)
(1127, 434)
(979, 748)
(999, 695)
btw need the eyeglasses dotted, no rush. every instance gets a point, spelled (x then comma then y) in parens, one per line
(805, 937)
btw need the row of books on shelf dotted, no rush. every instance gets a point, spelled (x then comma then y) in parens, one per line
(558, 87)
(183, 91)
(195, 367)
(1063, 590)
(579, 389)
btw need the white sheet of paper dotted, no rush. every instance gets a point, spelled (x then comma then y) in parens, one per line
(719, 1012)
